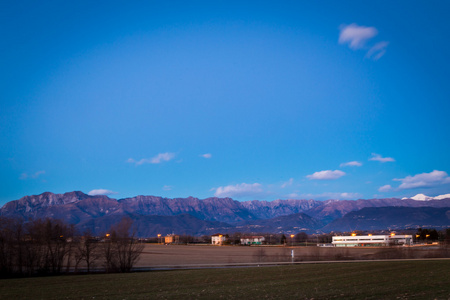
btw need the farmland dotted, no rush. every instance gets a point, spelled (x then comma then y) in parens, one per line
(155, 256)
(361, 280)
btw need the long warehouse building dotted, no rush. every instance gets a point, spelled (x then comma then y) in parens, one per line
(371, 240)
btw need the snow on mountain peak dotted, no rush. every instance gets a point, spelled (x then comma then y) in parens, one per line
(422, 197)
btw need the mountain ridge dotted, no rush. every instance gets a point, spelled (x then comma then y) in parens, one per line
(80, 209)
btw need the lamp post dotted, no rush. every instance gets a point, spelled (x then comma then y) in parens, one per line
(292, 240)
(426, 238)
(159, 238)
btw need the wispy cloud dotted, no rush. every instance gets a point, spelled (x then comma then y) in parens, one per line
(293, 196)
(351, 164)
(357, 37)
(424, 180)
(377, 51)
(35, 175)
(287, 183)
(378, 157)
(326, 175)
(161, 157)
(239, 190)
(206, 155)
(167, 188)
(101, 192)
(385, 188)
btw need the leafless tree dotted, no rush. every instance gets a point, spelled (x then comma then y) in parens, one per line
(121, 248)
(7, 243)
(87, 251)
(50, 245)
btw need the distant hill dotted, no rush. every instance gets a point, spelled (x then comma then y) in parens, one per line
(198, 216)
(276, 208)
(284, 224)
(374, 218)
(151, 226)
(211, 209)
(335, 209)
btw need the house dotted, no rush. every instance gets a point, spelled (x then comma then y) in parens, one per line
(219, 239)
(171, 239)
(371, 240)
(252, 240)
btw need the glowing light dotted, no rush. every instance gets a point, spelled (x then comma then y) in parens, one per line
(353, 234)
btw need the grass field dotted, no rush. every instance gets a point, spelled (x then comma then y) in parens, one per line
(368, 280)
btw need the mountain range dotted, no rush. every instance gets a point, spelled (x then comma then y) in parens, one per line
(158, 215)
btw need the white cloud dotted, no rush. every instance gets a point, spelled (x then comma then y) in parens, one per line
(377, 51)
(356, 36)
(385, 188)
(35, 175)
(131, 161)
(378, 157)
(351, 164)
(293, 196)
(287, 183)
(167, 188)
(101, 192)
(239, 190)
(326, 175)
(161, 157)
(335, 196)
(424, 180)
(206, 155)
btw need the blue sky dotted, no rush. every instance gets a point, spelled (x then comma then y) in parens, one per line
(256, 100)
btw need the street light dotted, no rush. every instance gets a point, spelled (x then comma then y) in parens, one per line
(292, 240)
(159, 238)
(426, 237)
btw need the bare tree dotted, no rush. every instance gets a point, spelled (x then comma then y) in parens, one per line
(87, 251)
(50, 243)
(7, 243)
(121, 248)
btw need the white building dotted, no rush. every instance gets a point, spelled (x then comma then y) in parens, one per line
(371, 240)
(252, 240)
(219, 239)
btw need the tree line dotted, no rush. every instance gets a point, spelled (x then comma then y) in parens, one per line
(49, 247)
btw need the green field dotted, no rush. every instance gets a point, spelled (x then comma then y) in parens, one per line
(367, 280)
